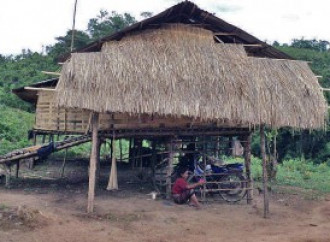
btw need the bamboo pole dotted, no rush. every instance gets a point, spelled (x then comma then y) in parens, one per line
(93, 161)
(247, 161)
(264, 171)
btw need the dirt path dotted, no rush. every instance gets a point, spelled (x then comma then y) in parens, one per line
(134, 217)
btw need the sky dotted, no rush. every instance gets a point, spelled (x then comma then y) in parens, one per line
(35, 23)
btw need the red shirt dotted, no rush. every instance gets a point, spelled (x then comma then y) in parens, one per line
(179, 186)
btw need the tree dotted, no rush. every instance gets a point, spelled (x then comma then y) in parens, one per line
(318, 45)
(276, 44)
(105, 24)
(63, 44)
(146, 14)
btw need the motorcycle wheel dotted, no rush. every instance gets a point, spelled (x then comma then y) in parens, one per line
(235, 183)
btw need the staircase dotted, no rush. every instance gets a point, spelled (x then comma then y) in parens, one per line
(43, 150)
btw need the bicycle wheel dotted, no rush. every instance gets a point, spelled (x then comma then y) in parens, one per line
(233, 186)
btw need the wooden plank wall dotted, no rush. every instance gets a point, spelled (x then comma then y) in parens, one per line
(49, 117)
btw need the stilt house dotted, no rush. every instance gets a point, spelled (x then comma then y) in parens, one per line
(182, 72)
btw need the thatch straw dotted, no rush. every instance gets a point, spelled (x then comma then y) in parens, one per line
(180, 71)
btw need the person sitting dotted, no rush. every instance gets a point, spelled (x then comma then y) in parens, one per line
(182, 192)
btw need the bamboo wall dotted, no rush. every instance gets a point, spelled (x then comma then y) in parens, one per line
(51, 118)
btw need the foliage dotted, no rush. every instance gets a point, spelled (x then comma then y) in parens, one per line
(107, 23)
(14, 126)
(63, 44)
(317, 45)
(293, 172)
(21, 70)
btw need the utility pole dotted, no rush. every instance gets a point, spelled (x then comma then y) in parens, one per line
(73, 24)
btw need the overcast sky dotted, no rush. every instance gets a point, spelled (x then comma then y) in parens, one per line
(34, 23)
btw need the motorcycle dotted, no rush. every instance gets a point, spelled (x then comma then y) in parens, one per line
(227, 180)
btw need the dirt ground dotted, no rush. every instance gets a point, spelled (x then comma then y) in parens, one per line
(53, 210)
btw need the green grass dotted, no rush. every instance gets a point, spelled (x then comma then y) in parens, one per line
(3, 207)
(294, 172)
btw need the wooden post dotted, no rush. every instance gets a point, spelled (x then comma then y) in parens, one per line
(98, 164)
(34, 138)
(8, 176)
(264, 171)
(130, 152)
(31, 163)
(141, 158)
(218, 147)
(153, 159)
(17, 168)
(204, 173)
(247, 161)
(93, 161)
(153, 153)
(64, 163)
(121, 150)
(50, 138)
(274, 160)
(169, 169)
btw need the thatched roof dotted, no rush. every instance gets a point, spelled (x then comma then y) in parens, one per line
(31, 96)
(179, 70)
(187, 12)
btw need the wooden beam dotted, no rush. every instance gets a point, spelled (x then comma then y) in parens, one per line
(252, 45)
(219, 40)
(268, 58)
(93, 162)
(39, 89)
(264, 171)
(51, 73)
(325, 89)
(224, 33)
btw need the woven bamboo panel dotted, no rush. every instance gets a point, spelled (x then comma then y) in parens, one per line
(50, 117)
